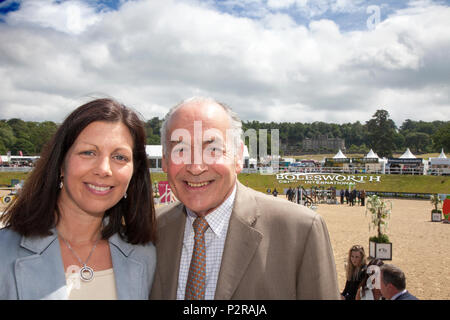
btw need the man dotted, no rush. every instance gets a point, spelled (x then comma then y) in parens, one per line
(256, 246)
(393, 283)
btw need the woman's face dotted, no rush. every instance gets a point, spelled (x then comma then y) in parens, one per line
(355, 258)
(97, 168)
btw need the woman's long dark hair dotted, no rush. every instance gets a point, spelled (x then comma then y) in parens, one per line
(33, 212)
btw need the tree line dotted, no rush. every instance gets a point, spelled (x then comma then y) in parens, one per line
(378, 133)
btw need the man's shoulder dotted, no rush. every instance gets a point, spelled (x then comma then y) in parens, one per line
(274, 207)
(406, 296)
(167, 213)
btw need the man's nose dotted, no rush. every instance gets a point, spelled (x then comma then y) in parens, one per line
(196, 168)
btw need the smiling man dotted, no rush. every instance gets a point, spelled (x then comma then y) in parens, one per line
(223, 240)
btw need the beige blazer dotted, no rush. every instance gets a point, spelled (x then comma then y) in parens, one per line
(274, 249)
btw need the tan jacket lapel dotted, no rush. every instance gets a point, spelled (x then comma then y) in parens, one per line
(240, 245)
(170, 240)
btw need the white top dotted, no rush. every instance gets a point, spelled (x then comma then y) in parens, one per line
(368, 294)
(102, 286)
(215, 236)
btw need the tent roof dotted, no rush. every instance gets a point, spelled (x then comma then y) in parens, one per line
(407, 155)
(442, 155)
(339, 155)
(371, 154)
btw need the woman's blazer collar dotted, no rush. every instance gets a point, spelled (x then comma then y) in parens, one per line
(41, 275)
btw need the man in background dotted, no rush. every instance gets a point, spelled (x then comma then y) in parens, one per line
(393, 283)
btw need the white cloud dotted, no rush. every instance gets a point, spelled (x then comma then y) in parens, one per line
(72, 17)
(152, 54)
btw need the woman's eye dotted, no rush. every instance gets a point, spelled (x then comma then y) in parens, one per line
(121, 158)
(87, 153)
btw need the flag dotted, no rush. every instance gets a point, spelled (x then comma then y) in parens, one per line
(20, 153)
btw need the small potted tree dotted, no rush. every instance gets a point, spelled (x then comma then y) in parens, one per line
(380, 210)
(436, 213)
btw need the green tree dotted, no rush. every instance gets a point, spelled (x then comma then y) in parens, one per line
(7, 137)
(381, 133)
(418, 141)
(441, 138)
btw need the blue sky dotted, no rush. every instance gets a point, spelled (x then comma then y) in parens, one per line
(270, 60)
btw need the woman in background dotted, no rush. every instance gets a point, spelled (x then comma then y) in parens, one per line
(356, 261)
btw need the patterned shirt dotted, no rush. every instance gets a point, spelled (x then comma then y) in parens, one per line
(215, 235)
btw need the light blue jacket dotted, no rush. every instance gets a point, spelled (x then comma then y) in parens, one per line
(32, 267)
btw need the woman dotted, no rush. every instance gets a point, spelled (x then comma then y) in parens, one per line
(84, 224)
(369, 288)
(354, 271)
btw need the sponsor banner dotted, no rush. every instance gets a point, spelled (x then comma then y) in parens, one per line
(333, 160)
(164, 191)
(405, 161)
(325, 178)
(365, 160)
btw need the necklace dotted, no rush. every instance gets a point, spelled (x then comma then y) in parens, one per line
(86, 272)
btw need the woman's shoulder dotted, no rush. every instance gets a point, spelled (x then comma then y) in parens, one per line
(9, 245)
(8, 239)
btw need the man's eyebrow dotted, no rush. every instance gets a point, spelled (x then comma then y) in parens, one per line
(177, 141)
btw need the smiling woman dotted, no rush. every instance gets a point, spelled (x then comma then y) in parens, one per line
(85, 215)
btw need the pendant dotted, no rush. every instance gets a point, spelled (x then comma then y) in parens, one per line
(86, 273)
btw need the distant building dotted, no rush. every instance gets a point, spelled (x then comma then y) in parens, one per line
(323, 143)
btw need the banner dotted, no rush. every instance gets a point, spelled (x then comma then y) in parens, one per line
(405, 161)
(365, 160)
(164, 191)
(325, 178)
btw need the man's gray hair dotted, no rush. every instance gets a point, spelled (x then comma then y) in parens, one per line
(236, 123)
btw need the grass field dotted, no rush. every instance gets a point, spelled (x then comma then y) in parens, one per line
(387, 183)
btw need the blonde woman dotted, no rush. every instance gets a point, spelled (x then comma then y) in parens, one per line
(355, 263)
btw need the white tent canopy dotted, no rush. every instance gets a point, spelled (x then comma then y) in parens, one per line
(339, 155)
(407, 155)
(441, 160)
(371, 155)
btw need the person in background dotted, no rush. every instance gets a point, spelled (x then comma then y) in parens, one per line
(363, 197)
(393, 283)
(342, 193)
(84, 224)
(356, 262)
(275, 192)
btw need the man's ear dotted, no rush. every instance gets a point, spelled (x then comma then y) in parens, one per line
(239, 164)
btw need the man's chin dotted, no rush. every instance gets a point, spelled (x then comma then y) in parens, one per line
(200, 210)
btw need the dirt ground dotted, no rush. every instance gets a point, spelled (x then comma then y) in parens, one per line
(419, 247)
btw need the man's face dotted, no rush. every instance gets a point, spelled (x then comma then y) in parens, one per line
(200, 162)
(385, 288)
